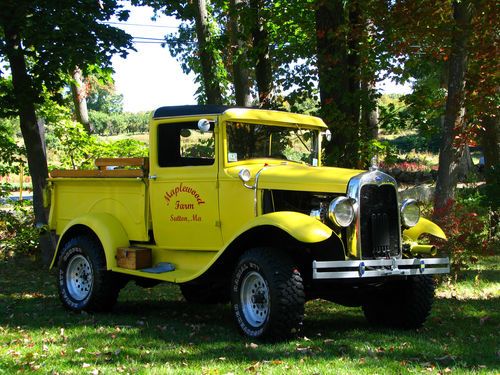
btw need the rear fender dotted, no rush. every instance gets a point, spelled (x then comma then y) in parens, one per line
(106, 227)
(423, 226)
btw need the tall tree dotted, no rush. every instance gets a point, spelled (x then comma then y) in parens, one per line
(197, 45)
(260, 46)
(42, 41)
(450, 152)
(239, 48)
(79, 96)
(337, 30)
(206, 53)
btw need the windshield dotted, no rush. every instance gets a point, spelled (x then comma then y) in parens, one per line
(247, 141)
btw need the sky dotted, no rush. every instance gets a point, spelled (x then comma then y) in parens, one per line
(151, 78)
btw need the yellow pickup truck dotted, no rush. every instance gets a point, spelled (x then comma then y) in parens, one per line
(234, 206)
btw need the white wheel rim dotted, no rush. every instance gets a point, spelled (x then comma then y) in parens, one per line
(79, 278)
(254, 297)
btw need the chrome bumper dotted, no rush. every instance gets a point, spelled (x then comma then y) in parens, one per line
(354, 269)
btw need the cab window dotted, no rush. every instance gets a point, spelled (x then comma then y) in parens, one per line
(183, 144)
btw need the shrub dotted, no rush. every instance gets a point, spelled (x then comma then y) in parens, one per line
(17, 230)
(472, 228)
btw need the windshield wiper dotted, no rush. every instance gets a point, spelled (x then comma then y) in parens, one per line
(300, 138)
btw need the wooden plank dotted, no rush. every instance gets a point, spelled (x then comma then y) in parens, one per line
(117, 173)
(122, 162)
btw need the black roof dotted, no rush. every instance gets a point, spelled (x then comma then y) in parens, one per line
(187, 110)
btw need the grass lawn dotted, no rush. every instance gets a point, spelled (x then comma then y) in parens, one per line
(155, 331)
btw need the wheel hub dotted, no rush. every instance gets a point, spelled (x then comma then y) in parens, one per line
(254, 297)
(79, 278)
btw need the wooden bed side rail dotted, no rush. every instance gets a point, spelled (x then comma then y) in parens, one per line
(103, 163)
(103, 171)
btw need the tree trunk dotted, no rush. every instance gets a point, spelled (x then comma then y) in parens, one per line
(239, 46)
(450, 154)
(80, 100)
(32, 133)
(263, 67)
(490, 142)
(206, 51)
(369, 117)
(338, 34)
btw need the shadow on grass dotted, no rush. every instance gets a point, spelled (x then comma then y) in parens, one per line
(459, 334)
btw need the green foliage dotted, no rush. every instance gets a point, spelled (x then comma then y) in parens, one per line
(78, 150)
(415, 142)
(472, 226)
(101, 96)
(369, 148)
(119, 123)
(57, 36)
(17, 230)
(202, 149)
(11, 155)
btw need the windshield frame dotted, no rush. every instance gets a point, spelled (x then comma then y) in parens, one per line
(316, 144)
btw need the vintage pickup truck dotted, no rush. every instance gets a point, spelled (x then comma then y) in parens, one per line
(234, 205)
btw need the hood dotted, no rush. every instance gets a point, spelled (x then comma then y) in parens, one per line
(304, 178)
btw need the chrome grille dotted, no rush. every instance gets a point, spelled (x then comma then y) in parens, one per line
(377, 229)
(379, 221)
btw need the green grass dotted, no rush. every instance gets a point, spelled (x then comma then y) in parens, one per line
(155, 331)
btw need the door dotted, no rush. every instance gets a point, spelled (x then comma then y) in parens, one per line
(183, 187)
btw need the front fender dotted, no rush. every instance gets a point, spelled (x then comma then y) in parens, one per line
(423, 226)
(106, 227)
(302, 227)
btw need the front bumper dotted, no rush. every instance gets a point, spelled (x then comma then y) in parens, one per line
(355, 269)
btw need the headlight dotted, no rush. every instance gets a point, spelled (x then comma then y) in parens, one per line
(341, 211)
(410, 213)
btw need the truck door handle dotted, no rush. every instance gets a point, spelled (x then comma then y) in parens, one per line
(152, 177)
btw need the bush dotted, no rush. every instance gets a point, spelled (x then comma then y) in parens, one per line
(414, 142)
(119, 123)
(77, 150)
(17, 230)
(472, 228)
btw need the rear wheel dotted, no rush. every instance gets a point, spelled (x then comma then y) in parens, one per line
(267, 294)
(83, 281)
(403, 304)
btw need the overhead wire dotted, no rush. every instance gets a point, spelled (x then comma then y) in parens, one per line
(138, 25)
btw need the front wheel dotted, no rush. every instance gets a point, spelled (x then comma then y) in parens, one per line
(267, 294)
(83, 281)
(401, 304)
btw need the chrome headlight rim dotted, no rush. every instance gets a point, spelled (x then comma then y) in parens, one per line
(334, 214)
(409, 204)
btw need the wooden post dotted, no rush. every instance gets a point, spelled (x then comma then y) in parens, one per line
(21, 182)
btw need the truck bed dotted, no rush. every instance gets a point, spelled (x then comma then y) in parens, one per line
(121, 192)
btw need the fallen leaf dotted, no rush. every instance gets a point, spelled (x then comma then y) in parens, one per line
(253, 367)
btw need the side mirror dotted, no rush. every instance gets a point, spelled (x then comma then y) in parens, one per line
(328, 135)
(203, 125)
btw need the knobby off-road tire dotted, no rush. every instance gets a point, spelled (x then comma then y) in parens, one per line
(267, 294)
(205, 294)
(402, 304)
(83, 281)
